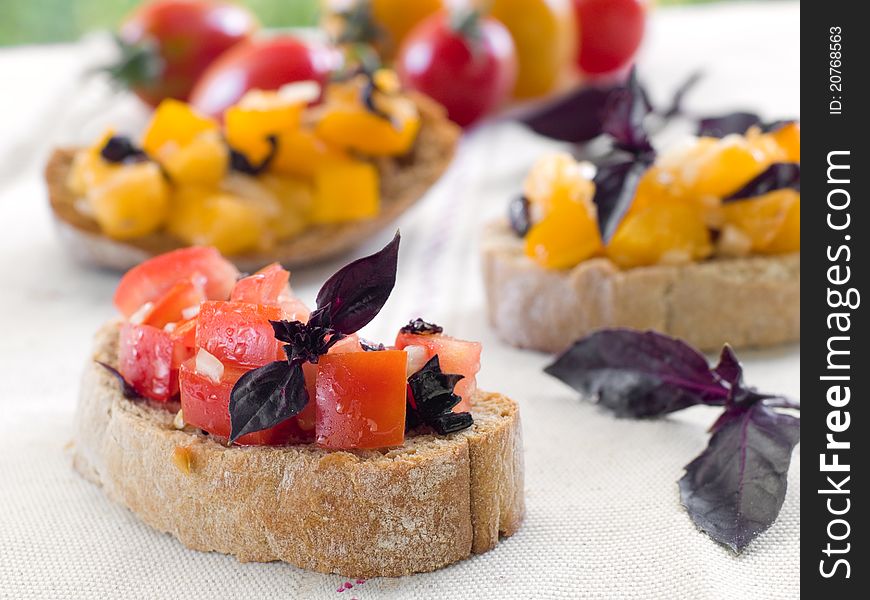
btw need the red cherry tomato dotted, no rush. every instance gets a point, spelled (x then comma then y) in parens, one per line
(469, 67)
(177, 41)
(205, 404)
(148, 281)
(610, 33)
(361, 399)
(263, 287)
(265, 64)
(454, 356)
(239, 333)
(145, 361)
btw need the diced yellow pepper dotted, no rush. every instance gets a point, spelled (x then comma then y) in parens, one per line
(789, 139)
(258, 115)
(132, 202)
(353, 126)
(174, 122)
(667, 231)
(726, 167)
(556, 179)
(345, 191)
(203, 161)
(565, 237)
(763, 217)
(295, 198)
(89, 169)
(229, 223)
(788, 238)
(301, 153)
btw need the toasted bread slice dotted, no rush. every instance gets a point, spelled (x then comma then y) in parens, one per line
(403, 180)
(746, 302)
(432, 502)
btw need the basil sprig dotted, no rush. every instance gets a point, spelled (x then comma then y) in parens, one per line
(350, 299)
(733, 490)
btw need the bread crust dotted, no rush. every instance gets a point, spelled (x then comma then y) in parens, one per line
(417, 508)
(746, 302)
(403, 181)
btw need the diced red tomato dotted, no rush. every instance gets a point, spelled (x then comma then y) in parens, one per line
(238, 332)
(294, 309)
(348, 344)
(148, 281)
(205, 404)
(361, 399)
(184, 333)
(263, 287)
(184, 295)
(455, 356)
(183, 342)
(145, 361)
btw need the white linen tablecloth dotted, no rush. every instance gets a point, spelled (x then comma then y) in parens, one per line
(603, 519)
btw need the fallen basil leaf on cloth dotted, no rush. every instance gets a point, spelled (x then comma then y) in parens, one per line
(735, 489)
(638, 374)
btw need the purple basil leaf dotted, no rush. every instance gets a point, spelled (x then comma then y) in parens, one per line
(127, 389)
(431, 400)
(778, 176)
(519, 215)
(121, 149)
(729, 368)
(420, 327)
(774, 125)
(734, 490)
(624, 116)
(358, 291)
(722, 125)
(676, 107)
(306, 342)
(615, 188)
(576, 118)
(264, 397)
(638, 374)
(241, 163)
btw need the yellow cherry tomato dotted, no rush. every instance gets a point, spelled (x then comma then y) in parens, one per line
(132, 202)
(565, 237)
(545, 36)
(665, 231)
(174, 124)
(397, 17)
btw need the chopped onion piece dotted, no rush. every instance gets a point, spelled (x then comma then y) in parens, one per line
(207, 364)
(138, 317)
(417, 357)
